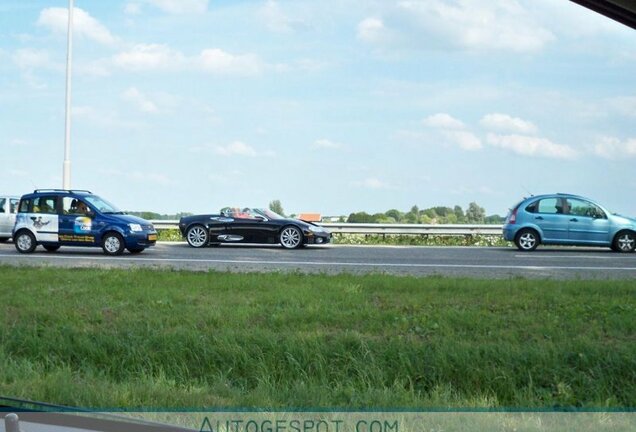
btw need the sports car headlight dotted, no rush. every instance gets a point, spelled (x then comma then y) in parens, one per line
(315, 229)
(135, 227)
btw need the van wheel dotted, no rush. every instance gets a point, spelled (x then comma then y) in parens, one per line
(25, 242)
(113, 244)
(527, 240)
(51, 248)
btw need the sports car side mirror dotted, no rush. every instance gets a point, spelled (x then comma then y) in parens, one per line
(259, 218)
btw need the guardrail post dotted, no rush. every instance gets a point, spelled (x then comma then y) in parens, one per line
(11, 423)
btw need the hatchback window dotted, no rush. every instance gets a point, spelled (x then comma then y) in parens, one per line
(584, 208)
(532, 208)
(45, 204)
(549, 205)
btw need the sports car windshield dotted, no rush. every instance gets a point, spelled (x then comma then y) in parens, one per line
(268, 214)
(102, 205)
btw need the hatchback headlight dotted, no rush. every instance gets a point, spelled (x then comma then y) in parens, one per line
(135, 227)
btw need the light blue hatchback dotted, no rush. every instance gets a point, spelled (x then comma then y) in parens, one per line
(562, 219)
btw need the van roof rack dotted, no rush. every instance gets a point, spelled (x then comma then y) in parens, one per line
(62, 190)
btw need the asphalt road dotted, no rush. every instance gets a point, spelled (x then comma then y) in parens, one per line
(482, 262)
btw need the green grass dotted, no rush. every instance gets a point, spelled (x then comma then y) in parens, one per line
(169, 339)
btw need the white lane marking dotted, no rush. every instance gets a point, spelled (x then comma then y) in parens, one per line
(614, 257)
(318, 263)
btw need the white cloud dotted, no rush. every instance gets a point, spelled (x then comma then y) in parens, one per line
(326, 144)
(276, 20)
(465, 140)
(148, 57)
(624, 105)
(372, 183)
(236, 148)
(137, 98)
(443, 121)
(531, 146)
(28, 58)
(132, 8)
(180, 6)
(614, 148)
(372, 30)
(56, 20)
(216, 60)
(473, 24)
(506, 123)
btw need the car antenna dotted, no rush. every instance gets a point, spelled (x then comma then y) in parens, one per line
(526, 189)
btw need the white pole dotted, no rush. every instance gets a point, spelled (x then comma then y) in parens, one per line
(66, 178)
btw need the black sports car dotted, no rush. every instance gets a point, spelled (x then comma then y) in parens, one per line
(250, 225)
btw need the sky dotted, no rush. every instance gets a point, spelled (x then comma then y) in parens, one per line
(328, 106)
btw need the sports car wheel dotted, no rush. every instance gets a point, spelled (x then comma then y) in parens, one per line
(197, 236)
(625, 242)
(291, 237)
(25, 242)
(113, 244)
(527, 240)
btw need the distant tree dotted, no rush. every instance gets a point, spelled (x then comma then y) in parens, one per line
(494, 219)
(360, 217)
(431, 213)
(277, 207)
(459, 212)
(450, 218)
(443, 211)
(411, 217)
(395, 214)
(415, 210)
(475, 213)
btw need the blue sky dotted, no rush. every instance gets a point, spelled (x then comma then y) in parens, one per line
(328, 106)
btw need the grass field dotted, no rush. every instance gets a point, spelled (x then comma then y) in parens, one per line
(169, 339)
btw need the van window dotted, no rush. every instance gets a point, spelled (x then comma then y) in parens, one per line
(25, 205)
(3, 201)
(14, 205)
(45, 205)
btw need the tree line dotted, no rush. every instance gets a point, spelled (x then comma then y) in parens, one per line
(474, 214)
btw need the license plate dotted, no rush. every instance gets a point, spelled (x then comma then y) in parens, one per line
(152, 237)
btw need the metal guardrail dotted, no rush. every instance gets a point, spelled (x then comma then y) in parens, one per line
(405, 229)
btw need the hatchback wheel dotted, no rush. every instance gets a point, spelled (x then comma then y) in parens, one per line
(113, 244)
(625, 242)
(197, 236)
(291, 237)
(527, 240)
(25, 242)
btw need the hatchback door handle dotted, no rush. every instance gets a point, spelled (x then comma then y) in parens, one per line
(539, 218)
(574, 220)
